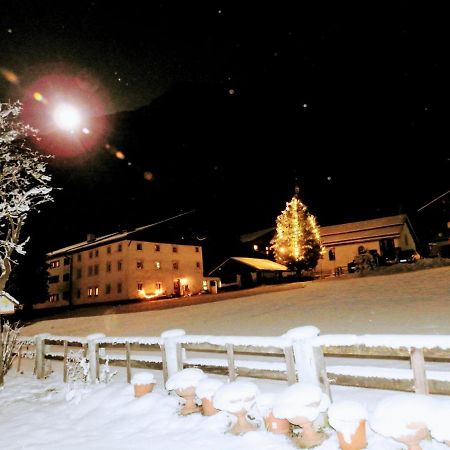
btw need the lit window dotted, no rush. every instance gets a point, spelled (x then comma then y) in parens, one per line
(108, 289)
(157, 265)
(205, 285)
(175, 265)
(90, 292)
(54, 264)
(53, 297)
(255, 247)
(139, 246)
(119, 265)
(140, 286)
(175, 249)
(157, 248)
(139, 264)
(96, 291)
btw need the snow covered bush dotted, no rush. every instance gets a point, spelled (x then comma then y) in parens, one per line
(11, 345)
(24, 184)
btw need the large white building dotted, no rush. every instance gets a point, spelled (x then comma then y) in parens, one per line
(123, 266)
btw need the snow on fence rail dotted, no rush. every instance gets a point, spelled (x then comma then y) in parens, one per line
(416, 348)
(296, 357)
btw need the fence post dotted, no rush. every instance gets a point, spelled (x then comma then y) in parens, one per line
(40, 355)
(92, 355)
(309, 360)
(169, 339)
(419, 373)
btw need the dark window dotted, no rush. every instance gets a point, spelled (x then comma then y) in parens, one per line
(119, 265)
(197, 264)
(332, 254)
(89, 271)
(119, 248)
(53, 279)
(66, 261)
(197, 250)
(175, 249)
(140, 286)
(139, 246)
(90, 254)
(66, 277)
(108, 250)
(108, 289)
(79, 257)
(175, 265)
(96, 269)
(96, 253)
(108, 266)
(78, 274)
(139, 264)
(78, 293)
(157, 248)
(119, 288)
(65, 295)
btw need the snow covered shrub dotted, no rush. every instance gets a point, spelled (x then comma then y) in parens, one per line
(105, 373)
(11, 345)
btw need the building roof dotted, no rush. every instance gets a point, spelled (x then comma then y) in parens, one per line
(110, 238)
(367, 230)
(255, 263)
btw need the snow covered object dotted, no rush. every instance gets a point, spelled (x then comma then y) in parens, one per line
(24, 184)
(184, 384)
(301, 404)
(205, 391)
(143, 383)
(264, 404)
(349, 418)
(405, 418)
(237, 398)
(439, 424)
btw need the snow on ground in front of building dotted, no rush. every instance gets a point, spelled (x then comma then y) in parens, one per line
(38, 415)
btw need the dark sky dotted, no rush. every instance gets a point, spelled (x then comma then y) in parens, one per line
(351, 98)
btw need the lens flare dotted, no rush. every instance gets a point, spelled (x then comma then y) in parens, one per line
(67, 117)
(9, 75)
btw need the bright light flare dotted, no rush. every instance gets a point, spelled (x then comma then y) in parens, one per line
(67, 117)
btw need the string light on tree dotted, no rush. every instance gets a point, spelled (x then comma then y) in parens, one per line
(297, 243)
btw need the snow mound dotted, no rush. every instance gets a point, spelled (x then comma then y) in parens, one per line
(306, 332)
(301, 399)
(173, 333)
(264, 402)
(439, 423)
(143, 378)
(185, 378)
(393, 414)
(235, 396)
(207, 387)
(345, 417)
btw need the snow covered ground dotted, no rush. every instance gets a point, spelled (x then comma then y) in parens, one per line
(38, 415)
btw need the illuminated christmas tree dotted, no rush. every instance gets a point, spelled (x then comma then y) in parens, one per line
(297, 242)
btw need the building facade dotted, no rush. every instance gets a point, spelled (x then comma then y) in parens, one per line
(119, 267)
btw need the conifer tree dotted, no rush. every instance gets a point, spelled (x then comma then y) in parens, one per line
(297, 243)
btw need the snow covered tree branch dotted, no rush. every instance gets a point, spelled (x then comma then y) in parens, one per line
(24, 184)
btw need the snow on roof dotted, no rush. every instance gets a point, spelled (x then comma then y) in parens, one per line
(9, 297)
(383, 227)
(113, 237)
(260, 264)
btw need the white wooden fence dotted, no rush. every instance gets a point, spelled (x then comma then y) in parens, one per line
(276, 358)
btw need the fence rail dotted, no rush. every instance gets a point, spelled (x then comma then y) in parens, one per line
(271, 358)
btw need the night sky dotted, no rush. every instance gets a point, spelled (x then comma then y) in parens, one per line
(228, 104)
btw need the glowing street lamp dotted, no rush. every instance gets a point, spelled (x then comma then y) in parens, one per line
(67, 117)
